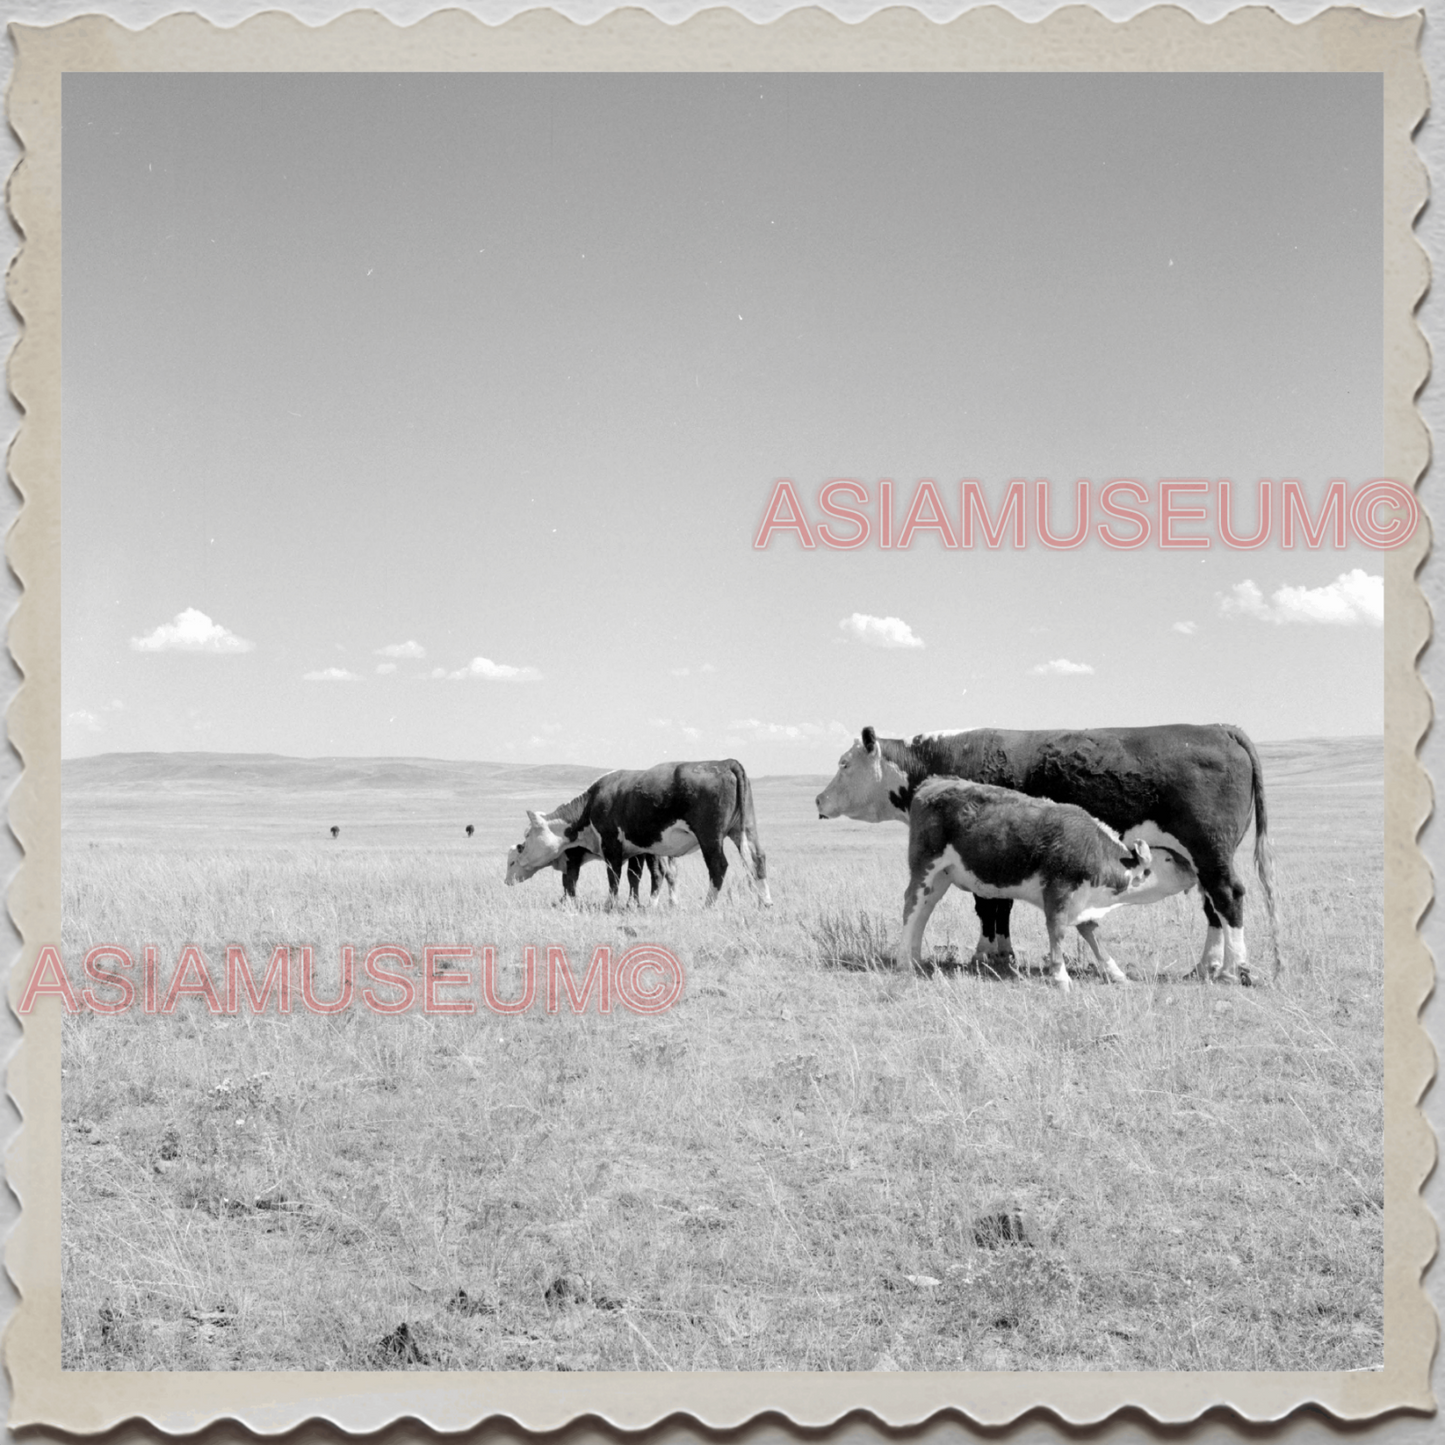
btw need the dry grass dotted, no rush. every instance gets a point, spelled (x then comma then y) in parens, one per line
(802, 1166)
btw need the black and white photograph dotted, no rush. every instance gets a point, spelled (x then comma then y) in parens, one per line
(723, 722)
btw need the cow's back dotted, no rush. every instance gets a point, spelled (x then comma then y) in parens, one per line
(1172, 775)
(640, 803)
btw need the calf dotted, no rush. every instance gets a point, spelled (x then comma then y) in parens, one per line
(569, 865)
(997, 843)
(665, 812)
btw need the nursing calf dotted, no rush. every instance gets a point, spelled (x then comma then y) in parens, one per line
(997, 843)
(569, 865)
(1189, 791)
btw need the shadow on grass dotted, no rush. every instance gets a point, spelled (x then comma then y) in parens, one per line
(864, 943)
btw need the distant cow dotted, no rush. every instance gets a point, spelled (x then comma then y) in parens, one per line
(470, 830)
(335, 831)
(666, 811)
(1189, 789)
(998, 843)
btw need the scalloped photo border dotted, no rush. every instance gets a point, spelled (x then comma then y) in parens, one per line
(1075, 39)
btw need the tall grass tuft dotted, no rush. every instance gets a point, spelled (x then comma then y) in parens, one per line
(860, 941)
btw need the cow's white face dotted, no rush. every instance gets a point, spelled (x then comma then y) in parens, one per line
(540, 849)
(861, 786)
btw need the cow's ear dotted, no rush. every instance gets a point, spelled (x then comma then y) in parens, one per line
(870, 740)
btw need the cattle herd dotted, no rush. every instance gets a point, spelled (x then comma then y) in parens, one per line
(1076, 823)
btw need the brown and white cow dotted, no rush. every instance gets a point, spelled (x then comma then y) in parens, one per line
(1190, 789)
(998, 843)
(569, 865)
(665, 812)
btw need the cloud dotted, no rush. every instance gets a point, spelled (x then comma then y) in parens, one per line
(401, 649)
(659, 722)
(686, 671)
(1187, 628)
(692, 734)
(84, 719)
(330, 674)
(768, 732)
(192, 631)
(490, 671)
(385, 667)
(1061, 667)
(880, 631)
(1354, 598)
(115, 705)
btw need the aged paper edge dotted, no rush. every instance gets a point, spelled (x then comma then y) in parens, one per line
(1165, 38)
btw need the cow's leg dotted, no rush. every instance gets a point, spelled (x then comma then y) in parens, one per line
(1236, 959)
(634, 879)
(616, 861)
(994, 950)
(1211, 961)
(1111, 970)
(573, 860)
(755, 865)
(1001, 945)
(919, 900)
(664, 870)
(1224, 954)
(983, 952)
(717, 870)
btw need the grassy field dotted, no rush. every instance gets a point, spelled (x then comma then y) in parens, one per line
(804, 1165)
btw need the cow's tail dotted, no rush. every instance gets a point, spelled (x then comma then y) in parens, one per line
(1263, 848)
(749, 820)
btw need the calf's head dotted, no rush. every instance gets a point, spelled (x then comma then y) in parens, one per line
(1136, 861)
(541, 848)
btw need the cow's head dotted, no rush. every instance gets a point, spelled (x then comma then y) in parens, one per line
(541, 848)
(862, 785)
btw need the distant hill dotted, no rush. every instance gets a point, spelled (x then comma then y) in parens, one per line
(1340, 758)
(114, 772)
(186, 801)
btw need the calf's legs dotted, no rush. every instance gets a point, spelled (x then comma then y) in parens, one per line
(920, 898)
(1111, 970)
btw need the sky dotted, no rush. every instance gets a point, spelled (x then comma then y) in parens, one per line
(436, 415)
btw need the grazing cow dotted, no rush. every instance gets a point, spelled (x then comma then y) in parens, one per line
(998, 843)
(470, 830)
(569, 865)
(666, 811)
(335, 831)
(1189, 789)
